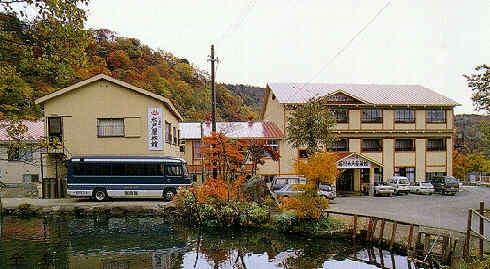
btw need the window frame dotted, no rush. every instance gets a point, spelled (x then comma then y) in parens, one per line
(405, 149)
(336, 148)
(344, 119)
(49, 123)
(403, 118)
(433, 119)
(430, 147)
(110, 128)
(196, 154)
(379, 148)
(372, 115)
(408, 172)
(168, 132)
(274, 144)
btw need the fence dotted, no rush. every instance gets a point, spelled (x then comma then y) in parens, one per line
(480, 233)
(425, 246)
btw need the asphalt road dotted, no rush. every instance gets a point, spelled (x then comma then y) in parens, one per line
(450, 212)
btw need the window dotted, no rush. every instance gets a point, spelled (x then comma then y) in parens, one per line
(341, 115)
(110, 127)
(55, 127)
(372, 115)
(24, 154)
(97, 169)
(372, 145)
(408, 172)
(430, 175)
(196, 150)
(405, 115)
(175, 135)
(404, 145)
(436, 116)
(30, 178)
(274, 144)
(365, 175)
(340, 145)
(378, 175)
(436, 144)
(168, 134)
(303, 153)
(173, 170)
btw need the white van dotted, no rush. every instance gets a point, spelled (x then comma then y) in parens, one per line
(401, 184)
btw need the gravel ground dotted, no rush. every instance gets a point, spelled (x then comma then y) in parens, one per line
(448, 212)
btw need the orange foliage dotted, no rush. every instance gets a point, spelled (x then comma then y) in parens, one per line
(320, 168)
(219, 191)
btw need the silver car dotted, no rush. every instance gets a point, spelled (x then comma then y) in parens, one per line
(422, 188)
(381, 188)
(324, 190)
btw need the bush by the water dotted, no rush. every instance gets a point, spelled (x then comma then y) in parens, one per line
(218, 203)
(289, 222)
(24, 210)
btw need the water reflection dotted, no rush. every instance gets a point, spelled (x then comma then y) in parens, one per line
(130, 242)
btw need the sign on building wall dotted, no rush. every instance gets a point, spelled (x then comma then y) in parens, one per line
(155, 134)
(353, 162)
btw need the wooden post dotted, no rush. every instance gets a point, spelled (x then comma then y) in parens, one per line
(354, 229)
(375, 222)
(445, 251)
(466, 249)
(393, 232)
(381, 231)
(410, 235)
(370, 227)
(482, 209)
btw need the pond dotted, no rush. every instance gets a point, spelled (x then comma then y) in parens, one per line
(151, 242)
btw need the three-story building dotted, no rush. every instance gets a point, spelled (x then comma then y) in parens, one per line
(382, 130)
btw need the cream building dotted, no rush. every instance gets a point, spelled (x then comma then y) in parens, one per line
(266, 133)
(108, 117)
(383, 130)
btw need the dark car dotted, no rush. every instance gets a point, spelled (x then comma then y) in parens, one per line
(445, 184)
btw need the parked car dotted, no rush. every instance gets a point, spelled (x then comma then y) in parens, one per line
(400, 183)
(424, 187)
(445, 184)
(381, 188)
(324, 190)
(278, 182)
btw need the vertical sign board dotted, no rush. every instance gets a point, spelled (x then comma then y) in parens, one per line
(155, 137)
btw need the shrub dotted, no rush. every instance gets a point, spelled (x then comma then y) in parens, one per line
(289, 222)
(24, 210)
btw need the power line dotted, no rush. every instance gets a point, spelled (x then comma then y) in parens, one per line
(346, 45)
(234, 26)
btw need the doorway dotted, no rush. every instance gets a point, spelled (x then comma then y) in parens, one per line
(345, 182)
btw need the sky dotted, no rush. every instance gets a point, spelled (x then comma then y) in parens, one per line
(429, 43)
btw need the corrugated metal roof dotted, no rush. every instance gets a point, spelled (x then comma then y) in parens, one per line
(293, 93)
(35, 130)
(236, 130)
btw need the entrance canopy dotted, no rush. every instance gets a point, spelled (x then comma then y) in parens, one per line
(347, 160)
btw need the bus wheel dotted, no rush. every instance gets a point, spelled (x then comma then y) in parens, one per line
(168, 194)
(100, 195)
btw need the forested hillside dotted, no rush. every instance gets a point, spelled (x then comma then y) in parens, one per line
(252, 96)
(50, 51)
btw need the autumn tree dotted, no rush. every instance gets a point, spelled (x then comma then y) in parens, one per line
(310, 125)
(319, 168)
(479, 83)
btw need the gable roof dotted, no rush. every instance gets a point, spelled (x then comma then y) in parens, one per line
(344, 155)
(115, 81)
(35, 130)
(235, 130)
(378, 94)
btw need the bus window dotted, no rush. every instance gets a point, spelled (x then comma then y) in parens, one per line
(174, 170)
(153, 169)
(118, 169)
(77, 168)
(97, 169)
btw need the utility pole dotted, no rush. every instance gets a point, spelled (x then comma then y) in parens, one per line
(213, 91)
(213, 103)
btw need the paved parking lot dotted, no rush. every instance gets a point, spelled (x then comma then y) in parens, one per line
(448, 212)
